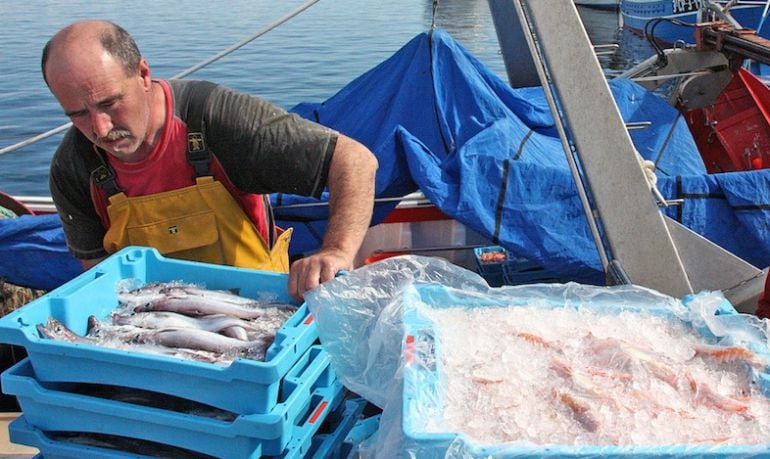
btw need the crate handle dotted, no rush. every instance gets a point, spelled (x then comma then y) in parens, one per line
(409, 349)
(318, 412)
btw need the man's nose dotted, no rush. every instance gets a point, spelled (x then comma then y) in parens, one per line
(101, 124)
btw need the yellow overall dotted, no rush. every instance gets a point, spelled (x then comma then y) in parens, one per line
(202, 222)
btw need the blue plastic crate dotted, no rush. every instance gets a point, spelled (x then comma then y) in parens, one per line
(519, 271)
(328, 445)
(492, 271)
(422, 386)
(361, 431)
(310, 390)
(21, 432)
(93, 293)
(301, 445)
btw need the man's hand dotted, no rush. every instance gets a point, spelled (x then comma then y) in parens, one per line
(309, 272)
(351, 200)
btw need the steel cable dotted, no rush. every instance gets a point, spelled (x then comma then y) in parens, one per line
(181, 74)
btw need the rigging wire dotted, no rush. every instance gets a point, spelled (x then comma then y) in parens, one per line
(182, 74)
(764, 16)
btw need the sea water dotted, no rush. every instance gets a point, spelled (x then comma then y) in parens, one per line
(307, 59)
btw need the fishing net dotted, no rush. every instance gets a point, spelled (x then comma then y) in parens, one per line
(13, 296)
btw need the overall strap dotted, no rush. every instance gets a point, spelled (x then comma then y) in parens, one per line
(198, 152)
(102, 174)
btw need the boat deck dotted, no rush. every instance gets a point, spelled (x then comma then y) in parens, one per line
(10, 450)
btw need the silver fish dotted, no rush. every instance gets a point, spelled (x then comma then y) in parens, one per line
(157, 290)
(199, 306)
(236, 332)
(143, 295)
(213, 295)
(166, 319)
(208, 341)
(54, 329)
(123, 338)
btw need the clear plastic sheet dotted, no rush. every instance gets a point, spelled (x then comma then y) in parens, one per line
(363, 318)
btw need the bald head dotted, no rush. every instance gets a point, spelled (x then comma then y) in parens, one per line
(105, 87)
(92, 36)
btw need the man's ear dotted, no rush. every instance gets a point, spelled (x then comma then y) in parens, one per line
(145, 74)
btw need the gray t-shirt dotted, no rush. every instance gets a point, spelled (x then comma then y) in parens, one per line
(261, 147)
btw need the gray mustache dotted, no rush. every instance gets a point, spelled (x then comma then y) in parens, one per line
(117, 134)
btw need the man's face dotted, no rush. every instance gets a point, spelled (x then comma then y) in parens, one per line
(109, 106)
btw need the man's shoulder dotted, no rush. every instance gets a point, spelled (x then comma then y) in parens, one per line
(184, 90)
(69, 161)
(72, 146)
(187, 94)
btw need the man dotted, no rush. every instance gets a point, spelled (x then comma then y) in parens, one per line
(182, 166)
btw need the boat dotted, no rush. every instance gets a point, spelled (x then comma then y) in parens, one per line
(673, 21)
(468, 162)
(507, 139)
(732, 134)
(515, 158)
(604, 4)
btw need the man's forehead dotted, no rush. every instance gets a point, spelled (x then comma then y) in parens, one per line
(94, 76)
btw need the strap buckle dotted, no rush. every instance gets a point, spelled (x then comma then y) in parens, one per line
(198, 154)
(102, 174)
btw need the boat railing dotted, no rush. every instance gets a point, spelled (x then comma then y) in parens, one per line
(273, 25)
(606, 50)
(44, 204)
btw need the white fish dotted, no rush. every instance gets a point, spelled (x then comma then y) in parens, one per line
(167, 319)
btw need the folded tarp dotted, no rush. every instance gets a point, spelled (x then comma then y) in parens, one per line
(489, 156)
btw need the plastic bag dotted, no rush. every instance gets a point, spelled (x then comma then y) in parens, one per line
(360, 319)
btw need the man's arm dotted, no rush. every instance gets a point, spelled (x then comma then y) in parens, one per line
(351, 202)
(88, 264)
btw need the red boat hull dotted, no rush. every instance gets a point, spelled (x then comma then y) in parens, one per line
(733, 134)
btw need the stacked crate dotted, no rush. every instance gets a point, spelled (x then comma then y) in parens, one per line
(353, 422)
(362, 431)
(500, 267)
(422, 391)
(272, 408)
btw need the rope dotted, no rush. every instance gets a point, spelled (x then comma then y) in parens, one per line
(245, 41)
(433, 16)
(181, 74)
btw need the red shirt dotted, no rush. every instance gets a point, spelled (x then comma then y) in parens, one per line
(167, 168)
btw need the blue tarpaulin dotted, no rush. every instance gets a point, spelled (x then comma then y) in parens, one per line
(33, 252)
(489, 156)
